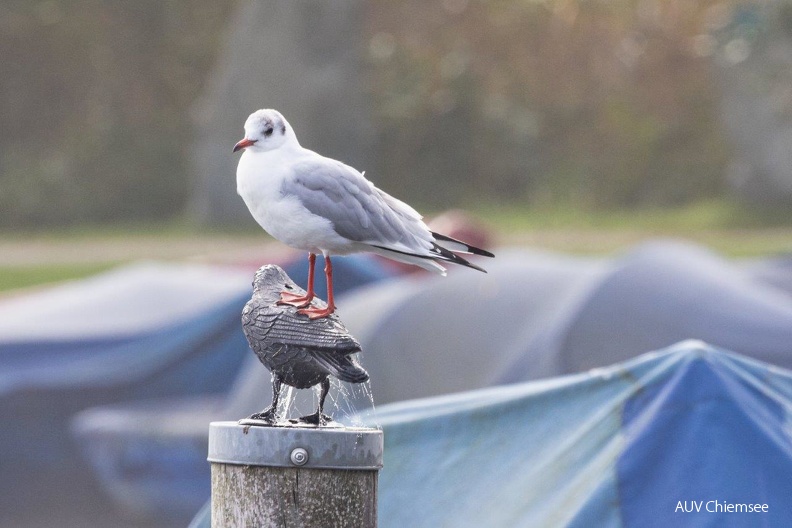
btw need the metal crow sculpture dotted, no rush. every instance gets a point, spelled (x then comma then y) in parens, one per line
(298, 351)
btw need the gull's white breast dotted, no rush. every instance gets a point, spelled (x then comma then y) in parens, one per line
(260, 177)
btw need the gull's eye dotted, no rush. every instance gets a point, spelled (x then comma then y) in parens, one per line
(268, 131)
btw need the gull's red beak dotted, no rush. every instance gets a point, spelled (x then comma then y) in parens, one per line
(244, 144)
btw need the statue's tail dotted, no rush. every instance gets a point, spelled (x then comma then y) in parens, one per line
(344, 367)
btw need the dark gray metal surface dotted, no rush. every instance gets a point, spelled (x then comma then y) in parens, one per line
(298, 351)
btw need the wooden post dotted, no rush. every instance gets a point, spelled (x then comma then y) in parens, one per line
(295, 476)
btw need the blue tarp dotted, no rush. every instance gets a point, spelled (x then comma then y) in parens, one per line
(140, 331)
(127, 325)
(535, 314)
(135, 333)
(620, 446)
(118, 327)
(627, 446)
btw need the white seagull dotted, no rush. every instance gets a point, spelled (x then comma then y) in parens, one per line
(321, 205)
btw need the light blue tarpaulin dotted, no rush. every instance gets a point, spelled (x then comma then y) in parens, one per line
(132, 323)
(626, 446)
(122, 326)
(619, 446)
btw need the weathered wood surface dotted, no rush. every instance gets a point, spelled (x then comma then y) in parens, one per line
(262, 497)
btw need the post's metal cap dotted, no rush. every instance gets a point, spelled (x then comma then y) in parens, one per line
(304, 447)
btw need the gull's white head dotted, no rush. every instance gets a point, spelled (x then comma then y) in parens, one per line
(266, 129)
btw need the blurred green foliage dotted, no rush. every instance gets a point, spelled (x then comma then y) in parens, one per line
(585, 103)
(94, 122)
(16, 277)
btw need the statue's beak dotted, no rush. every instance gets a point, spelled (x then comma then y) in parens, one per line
(244, 144)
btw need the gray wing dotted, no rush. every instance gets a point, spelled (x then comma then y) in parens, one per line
(357, 209)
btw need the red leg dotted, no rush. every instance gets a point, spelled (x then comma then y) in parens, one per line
(315, 313)
(301, 301)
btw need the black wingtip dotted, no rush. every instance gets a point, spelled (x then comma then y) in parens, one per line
(438, 253)
(448, 256)
(468, 248)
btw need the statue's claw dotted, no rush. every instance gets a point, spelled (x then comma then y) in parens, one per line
(267, 415)
(316, 418)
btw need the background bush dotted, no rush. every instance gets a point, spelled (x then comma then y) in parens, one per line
(589, 103)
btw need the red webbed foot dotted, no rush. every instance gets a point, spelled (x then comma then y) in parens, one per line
(315, 312)
(293, 299)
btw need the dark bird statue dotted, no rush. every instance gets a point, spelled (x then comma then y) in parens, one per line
(298, 351)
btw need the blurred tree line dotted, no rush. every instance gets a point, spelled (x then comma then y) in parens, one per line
(94, 122)
(591, 103)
